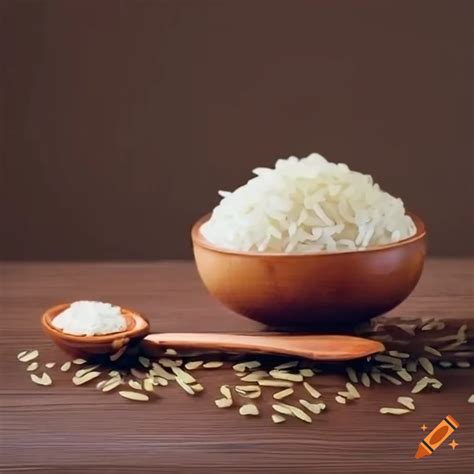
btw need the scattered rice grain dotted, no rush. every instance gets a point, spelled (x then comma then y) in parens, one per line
(287, 365)
(29, 356)
(85, 378)
(283, 394)
(254, 376)
(427, 365)
(243, 366)
(280, 375)
(311, 390)
(193, 365)
(278, 418)
(168, 363)
(352, 374)
(225, 390)
(451, 347)
(429, 327)
(248, 388)
(161, 372)
(406, 402)
(185, 386)
(391, 379)
(432, 350)
(404, 375)
(388, 359)
(135, 396)
(315, 408)
(148, 385)
(79, 373)
(184, 376)
(297, 412)
(284, 410)
(45, 379)
(376, 377)
(213, 365)
(346, 395)
(248, 391)
(135, 385)
(394, 411)
(223, 402)
(399, 355)
(352, 390)
(464, 354)
(248, 409)
(111, 384)
(197, 387)
(275, 383)
(364, 378)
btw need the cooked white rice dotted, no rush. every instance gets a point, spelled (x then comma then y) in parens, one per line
(307, 205)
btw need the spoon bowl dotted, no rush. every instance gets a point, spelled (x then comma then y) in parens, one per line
(88, 346)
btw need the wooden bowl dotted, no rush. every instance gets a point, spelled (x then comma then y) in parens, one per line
(88, 346)
(310, 290)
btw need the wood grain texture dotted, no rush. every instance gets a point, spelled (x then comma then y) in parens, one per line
(76, 429)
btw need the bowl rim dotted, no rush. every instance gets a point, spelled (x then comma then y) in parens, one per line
(199, 240)
(130, 315)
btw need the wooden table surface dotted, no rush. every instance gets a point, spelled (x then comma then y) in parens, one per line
(64, 428)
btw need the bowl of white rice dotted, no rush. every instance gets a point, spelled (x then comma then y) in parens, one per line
(309, 242)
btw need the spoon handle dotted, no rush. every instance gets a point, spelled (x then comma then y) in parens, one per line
(317, 347)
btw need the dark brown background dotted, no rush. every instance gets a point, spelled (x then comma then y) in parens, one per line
(121, 120)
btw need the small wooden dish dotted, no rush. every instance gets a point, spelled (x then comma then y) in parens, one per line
(311, 290)
(87, 346)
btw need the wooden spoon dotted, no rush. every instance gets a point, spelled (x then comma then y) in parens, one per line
(317, 347)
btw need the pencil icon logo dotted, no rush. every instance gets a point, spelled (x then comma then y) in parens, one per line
(437, 437)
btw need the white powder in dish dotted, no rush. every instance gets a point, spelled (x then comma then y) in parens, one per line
(90, 318)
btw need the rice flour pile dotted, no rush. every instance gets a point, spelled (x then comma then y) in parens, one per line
(307, 205)
(90, 318)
